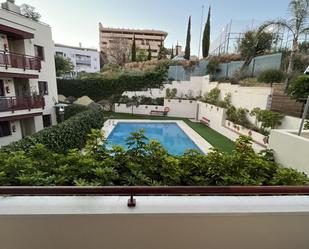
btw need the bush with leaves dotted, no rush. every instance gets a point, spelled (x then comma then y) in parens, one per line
(171, 94)
(299, 89)
(268, 119)
(238, 116)
(60, 138)
(100, 87)
(212, 97)
(306, 127)
(271, 76)
(144, 163)
(213, 66)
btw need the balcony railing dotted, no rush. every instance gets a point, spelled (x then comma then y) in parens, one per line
(156, 191)
(83, 62)
(14, 60)
(21, 103)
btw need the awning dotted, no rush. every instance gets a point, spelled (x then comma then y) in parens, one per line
(20, 117)
(15, 33)
(18, 75)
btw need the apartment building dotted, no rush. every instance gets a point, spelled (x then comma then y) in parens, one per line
(28, 88)
(84, 59)
(143, 38)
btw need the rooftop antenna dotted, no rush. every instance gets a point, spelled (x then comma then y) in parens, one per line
(202, 19)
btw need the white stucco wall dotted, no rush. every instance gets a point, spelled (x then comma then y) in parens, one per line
(214, 222)
(181, 108)
(218, 122)
(141, 109)
(290, 150)
(42, 37)
(71, 52)
(17, 135)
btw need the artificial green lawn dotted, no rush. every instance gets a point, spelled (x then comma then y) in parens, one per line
(214, 138)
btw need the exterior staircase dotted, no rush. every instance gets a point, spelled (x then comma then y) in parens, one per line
(282, 103)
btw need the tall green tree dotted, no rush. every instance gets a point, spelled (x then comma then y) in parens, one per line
(149, 54)
(172, 53)
(133, 50)
(206, 36)
(64, 66)
(297, 25)
(188, 41)
(177, 46)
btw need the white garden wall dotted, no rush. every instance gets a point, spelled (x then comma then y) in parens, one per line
(291, 150)
(218, 122)
(181, 108)
(142, 109)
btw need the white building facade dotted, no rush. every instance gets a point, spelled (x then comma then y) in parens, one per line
(84, 59)
(28, 87)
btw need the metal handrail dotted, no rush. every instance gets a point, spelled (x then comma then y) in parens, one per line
(155, 191)
(14, 103)
(17, 60)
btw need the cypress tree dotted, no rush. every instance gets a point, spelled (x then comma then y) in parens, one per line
(172, 55)
(188, 42)
(206, 36)
(177, 46)
(133, 50)
(149, 53)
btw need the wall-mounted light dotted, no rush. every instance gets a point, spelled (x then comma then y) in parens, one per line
(13, 128)
(7, 89)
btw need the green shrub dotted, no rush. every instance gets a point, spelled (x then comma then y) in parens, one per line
(299, 89)
(271, 76)
(238, 116)
(65, 136)
(268, 119)
(213, 66)
(98, 88)
(72, 110)
(145, 163)
(212, 97)
(306, 127)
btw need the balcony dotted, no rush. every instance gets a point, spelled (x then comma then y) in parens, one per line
(22, 61)
(13, 104)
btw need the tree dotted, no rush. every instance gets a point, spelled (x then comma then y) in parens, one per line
(118, 52)
(172, 53)
(29, 11)
(299, 89)
(162, 52)
(141, 55)
(64, 66)
(177, 52)
(133, 49)
(254, 43)
(206, 36)
(149, 53)
(188, 41)
(297, 25)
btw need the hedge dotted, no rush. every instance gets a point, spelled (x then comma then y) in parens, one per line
(102, 88)
(65, 136)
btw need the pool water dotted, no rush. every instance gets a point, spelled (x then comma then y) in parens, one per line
(170, 135)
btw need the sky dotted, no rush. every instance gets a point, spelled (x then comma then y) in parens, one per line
(77, 21)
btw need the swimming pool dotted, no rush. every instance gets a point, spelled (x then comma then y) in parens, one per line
(169, 134)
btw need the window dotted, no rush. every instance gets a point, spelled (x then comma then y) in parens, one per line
(59, 54)
(5, 129)
(47, 121)
(43, 88)
(39, 52)
(2, 88)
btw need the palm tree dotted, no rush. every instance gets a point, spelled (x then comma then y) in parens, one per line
(297, 25)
